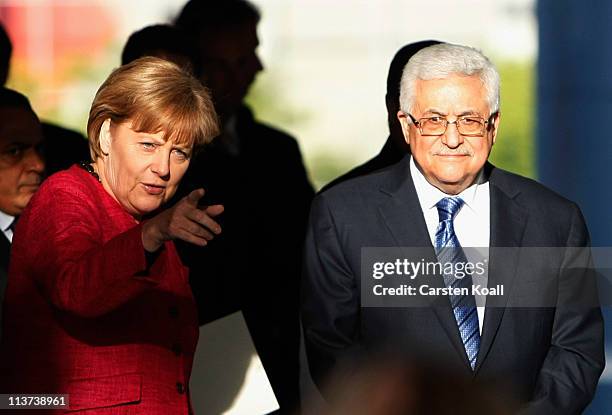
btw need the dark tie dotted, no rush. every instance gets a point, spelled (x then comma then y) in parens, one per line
(13, 225)
(449, 250)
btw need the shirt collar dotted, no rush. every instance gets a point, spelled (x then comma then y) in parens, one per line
(5, 221)
(429, 195)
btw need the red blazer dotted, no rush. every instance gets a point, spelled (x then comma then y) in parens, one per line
(85, 315)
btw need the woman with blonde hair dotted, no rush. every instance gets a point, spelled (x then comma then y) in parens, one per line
(98, 303)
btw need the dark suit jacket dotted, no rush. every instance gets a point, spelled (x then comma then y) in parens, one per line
(254, 265)
(63, 148)
(5, 252)
(388, 155)
(551, 357)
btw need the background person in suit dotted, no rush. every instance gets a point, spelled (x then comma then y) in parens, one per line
(21, 168)
(95, 276)
(6, 50)
(163, 41)
(256, 172)
(447, 196)
(395, 147)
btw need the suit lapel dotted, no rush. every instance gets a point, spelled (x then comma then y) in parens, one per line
(5, 250)
(402, 211)
(508, 220)
(404, 218)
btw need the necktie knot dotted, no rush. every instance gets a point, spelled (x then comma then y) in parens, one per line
(448, 207)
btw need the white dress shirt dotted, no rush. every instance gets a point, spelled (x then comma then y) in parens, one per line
(472, 223)
(5, 225)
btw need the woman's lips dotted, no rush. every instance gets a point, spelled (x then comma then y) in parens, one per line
(154, 189)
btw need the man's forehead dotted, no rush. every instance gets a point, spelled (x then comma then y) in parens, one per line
(18, 115)
(21, 141)
(439, 94)
(19, 125)
(230, 41)
(470, 81)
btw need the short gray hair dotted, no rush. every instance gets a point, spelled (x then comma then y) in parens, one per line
(443, 60)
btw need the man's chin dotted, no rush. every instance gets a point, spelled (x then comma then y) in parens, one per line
(26, 193)
(19, 206)
(29, 188)
(452, 185)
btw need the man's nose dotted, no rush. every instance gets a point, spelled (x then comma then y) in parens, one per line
(34, 161)
(451, 137)
(258, 63)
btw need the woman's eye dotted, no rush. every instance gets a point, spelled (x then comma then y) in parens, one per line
(148, 146)
(180, 154)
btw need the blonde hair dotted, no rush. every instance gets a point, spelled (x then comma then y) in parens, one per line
(155, 95)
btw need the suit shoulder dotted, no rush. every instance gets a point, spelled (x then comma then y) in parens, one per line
(273, 133)
(276, 140)
(538, 199)
(263, 133)
(357, 187)
(371, 166)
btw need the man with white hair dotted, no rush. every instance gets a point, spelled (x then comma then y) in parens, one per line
(538, 328)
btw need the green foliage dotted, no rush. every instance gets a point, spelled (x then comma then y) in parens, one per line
(326, 167)
(269, 101)
(514, 148)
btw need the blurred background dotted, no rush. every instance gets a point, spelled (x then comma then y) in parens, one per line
(325, 64)
(325, 74)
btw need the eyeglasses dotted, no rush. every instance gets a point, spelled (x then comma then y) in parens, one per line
(467, 125)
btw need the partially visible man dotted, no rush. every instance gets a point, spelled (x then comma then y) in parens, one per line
(542, 337)
(163, 41)
(225, 33)
(21, 168)
(395, 148)
(256, 172)
(6, 50)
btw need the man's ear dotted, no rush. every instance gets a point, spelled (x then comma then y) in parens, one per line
(105, 137)
(496, 125)
(403, 119)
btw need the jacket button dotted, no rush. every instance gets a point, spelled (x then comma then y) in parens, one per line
(177, 349)
(173, 312)
(180, 388)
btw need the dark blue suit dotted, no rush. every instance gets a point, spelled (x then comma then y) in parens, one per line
(551, 355)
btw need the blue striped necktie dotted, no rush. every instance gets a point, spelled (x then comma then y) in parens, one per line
(448, 250)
